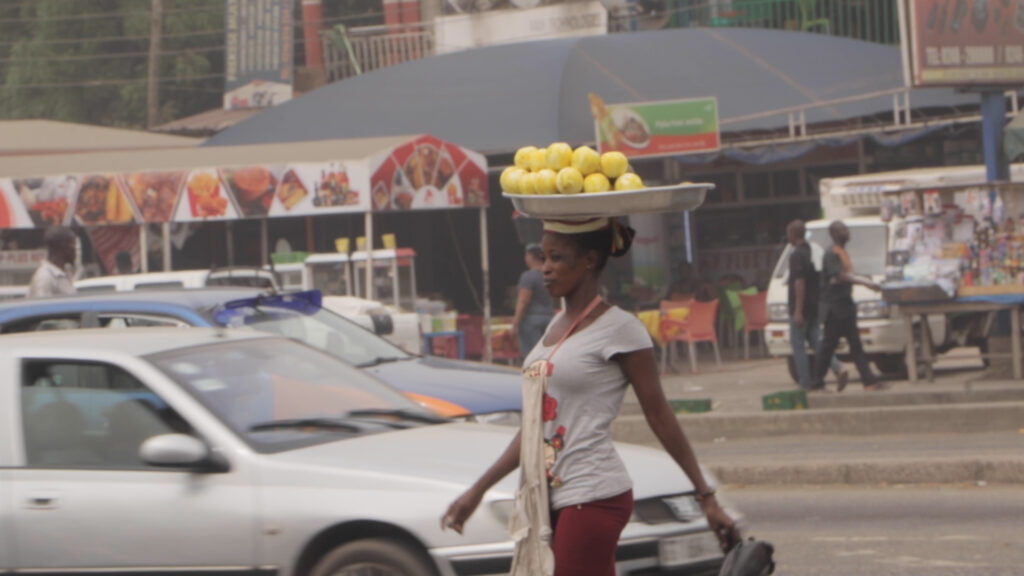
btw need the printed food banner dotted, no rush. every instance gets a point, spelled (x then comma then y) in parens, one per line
(428, 174)
(966, 42)
(653, 129)
(425, 173)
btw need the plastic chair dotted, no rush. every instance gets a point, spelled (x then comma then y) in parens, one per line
(504, 347)
(472, 328)
(755, 310)
(698, 327)
(807, 19)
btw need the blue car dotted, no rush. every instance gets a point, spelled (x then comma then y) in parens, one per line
(480, 392)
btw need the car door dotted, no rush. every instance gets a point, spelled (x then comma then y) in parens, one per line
(82, 499)
(7, 417)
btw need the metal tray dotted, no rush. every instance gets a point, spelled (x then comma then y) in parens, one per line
(603, 204)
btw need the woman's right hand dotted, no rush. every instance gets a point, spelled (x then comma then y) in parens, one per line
(721, 524)
(460, 510)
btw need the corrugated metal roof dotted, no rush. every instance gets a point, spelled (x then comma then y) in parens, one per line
(498, 98)
(207, 123)
(51, 137)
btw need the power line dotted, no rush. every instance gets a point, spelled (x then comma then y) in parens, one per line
(112, 82)
(108, 15)
(82, 40)
(101, 57)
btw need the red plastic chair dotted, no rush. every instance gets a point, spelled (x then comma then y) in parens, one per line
(504, 347)
(755, 308)
(472, 328)
(698, 327)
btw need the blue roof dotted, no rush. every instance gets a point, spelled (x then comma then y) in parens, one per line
(498, 98)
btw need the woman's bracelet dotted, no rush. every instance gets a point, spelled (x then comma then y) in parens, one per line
(703, 496)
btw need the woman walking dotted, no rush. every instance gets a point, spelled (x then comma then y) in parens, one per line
(575, 495)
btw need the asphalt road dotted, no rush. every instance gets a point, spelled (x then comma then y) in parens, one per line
(888, 530)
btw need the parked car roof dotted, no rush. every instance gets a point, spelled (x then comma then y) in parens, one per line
(134, 342)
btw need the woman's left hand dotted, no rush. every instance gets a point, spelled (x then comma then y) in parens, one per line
(721, 524)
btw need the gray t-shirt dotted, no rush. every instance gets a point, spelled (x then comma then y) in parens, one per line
(540, 299)
(584, 395)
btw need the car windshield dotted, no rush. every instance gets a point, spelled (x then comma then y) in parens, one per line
(315, 326)
(867, 250)
(281, 395)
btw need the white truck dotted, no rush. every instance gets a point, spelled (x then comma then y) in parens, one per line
(857, 201)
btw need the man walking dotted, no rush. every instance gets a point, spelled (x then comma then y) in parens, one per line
(804, 303)
(534, 307)
(841, 311)
(51, 278)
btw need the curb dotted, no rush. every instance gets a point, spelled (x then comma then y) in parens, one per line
(915, 398)
(955, 418)
(946, 471)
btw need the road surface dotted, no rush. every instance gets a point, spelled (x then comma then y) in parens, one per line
(962, 530)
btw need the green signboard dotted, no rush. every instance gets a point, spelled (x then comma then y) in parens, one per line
(652, 129)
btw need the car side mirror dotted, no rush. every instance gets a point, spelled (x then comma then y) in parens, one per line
(181, 451)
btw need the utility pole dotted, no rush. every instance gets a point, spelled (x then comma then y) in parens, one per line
(156, 30)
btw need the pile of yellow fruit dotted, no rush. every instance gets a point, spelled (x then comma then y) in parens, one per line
(558, 169)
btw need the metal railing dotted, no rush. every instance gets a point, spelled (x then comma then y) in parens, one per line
(869, 20)
(351, 52)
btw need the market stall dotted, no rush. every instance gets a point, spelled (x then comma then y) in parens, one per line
(956, 251)
(365, 176)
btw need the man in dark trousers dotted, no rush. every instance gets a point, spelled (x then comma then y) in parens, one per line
(804, 326)
(841, 311)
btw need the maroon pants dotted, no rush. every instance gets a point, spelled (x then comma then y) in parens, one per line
(586, 535)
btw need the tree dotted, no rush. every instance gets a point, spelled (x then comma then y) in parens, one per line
(86, 60)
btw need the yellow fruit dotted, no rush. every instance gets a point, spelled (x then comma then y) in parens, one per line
(544, 182)
(527, 183)
(629, 181)
(523, 155)
(614, 164)
(559, 156)
(569, 181)
(596, 182)
(510, 179)
(586, 160)
(538, 159)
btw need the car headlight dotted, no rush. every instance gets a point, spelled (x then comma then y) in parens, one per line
(505, 418)
(778, 313)
(872, 309)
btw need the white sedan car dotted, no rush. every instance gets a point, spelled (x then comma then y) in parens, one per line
(208, 451)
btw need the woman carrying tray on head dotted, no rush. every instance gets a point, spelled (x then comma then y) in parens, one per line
(575, 495)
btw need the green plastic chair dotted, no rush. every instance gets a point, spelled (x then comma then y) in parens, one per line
(807, 19)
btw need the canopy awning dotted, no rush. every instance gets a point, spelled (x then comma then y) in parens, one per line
(408, 172)
(48, 137)
(499, 98)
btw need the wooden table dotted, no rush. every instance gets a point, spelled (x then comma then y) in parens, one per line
(911, 310)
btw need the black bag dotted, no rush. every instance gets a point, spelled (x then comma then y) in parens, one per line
(749, 558)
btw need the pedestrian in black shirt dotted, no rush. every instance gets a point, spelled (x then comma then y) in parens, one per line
(840, 310)
(804, 326)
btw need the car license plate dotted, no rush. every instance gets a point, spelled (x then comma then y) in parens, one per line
(688, 549)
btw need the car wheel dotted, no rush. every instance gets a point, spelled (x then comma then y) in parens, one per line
(372, 558)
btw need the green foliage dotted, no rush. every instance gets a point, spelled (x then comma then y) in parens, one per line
(87, 60)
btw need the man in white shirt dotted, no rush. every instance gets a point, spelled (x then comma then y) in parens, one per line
(50, 278)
